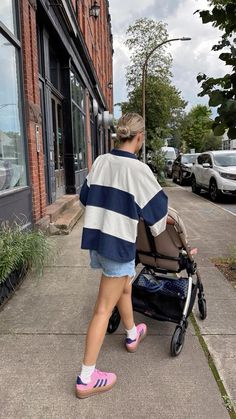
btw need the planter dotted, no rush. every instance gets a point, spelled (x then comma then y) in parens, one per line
(9, 286)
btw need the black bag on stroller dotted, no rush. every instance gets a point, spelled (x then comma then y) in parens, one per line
(159, 291)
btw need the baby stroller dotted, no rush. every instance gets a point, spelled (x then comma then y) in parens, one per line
(160, 291)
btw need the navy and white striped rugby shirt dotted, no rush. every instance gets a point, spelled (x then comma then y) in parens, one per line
(119, 190)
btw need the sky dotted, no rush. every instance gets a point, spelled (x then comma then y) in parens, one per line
(189, 58)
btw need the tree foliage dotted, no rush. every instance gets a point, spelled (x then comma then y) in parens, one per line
(196, 131)
(222, 90)
(142, 37)
(212, 142)
(163, 103)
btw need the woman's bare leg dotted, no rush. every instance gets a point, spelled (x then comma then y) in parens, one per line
(125, 307)
(110, 292)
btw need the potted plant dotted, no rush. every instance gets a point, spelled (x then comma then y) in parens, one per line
(20, 251)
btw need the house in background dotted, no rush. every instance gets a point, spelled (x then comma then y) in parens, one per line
(228, 144)
(56, 100)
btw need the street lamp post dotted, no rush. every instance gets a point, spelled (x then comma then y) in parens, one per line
(144, 77)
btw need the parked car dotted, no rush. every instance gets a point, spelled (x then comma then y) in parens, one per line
(170, 156)
(215, 171)
(182, 168)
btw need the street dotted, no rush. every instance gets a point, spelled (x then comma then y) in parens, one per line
(228, 203)
(207, 223)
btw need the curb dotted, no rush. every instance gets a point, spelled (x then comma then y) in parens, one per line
(228, 403)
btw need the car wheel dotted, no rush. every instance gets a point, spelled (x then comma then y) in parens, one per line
(174, 178)
(214, 192)
(195, 187)
(181, 179)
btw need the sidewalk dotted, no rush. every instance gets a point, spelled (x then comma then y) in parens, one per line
(42, 332)
(213, 230)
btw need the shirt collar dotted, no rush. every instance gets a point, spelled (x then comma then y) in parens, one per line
(122, 153)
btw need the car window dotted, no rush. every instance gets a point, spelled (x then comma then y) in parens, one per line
(205, 158)
(225, 160)
(208, 159)
(169, 154)
(189, 158)
(200, 159)
(185, 159)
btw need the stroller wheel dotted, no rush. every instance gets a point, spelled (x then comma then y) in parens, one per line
(202, 308)
(114, 321)
(177, 341)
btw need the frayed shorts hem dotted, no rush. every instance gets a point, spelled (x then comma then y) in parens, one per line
(111, 268)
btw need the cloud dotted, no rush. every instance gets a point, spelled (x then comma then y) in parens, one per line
(189, 58)
(123, 12)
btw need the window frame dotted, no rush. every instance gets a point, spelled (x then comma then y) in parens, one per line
(83, 113)
(15, 41)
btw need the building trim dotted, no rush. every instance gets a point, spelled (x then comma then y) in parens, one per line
(82, 61)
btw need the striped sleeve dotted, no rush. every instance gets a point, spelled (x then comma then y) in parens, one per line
(86, 185)
(155, 210)
(84, 193)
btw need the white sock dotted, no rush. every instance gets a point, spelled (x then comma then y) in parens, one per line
(86, 372)
(132, 333)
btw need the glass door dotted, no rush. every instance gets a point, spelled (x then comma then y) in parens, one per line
(58, 145)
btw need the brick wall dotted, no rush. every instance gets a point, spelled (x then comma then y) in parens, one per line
(32, 101)
(98, 38)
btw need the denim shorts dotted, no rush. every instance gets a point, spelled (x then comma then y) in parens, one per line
(111, 267)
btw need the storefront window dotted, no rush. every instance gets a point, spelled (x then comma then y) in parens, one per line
(12, 155)
(55, 69)
(7, 14)
(78, 94)
(78, 115)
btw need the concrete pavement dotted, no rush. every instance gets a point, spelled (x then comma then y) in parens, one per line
(228, 203)
(213, 231)
(42, 332)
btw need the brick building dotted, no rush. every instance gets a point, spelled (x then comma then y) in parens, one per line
(56, 100)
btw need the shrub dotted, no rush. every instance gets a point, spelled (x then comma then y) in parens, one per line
(20, 248)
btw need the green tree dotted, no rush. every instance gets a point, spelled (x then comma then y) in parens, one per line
(212, 142)
(142, 37)
(163, 104)
(222, 90)
(196, 130)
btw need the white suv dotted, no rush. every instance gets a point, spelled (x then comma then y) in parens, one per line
(215, 171)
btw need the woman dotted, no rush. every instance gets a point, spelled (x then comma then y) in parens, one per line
(118, 191)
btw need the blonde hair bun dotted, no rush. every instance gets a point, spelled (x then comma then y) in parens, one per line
(123, 132)
(128, 126)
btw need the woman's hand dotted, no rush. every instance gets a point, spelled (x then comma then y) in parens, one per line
(170, 220)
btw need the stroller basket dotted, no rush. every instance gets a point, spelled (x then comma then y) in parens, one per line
(161, 298)
(162, 286)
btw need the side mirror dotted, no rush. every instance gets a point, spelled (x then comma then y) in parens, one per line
(206, 165)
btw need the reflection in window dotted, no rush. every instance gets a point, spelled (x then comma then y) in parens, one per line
(12, 156)
(225, 159)
(55, 69)
(7, 14)
(78, 117)
(78, 94)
